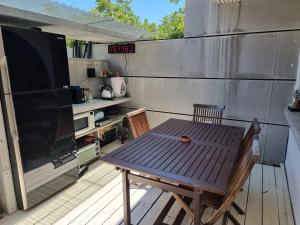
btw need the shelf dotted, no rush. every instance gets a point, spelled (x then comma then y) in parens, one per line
(115, 119)
(89, 132)
(97, 104)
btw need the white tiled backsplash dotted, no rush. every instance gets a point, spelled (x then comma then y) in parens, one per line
(78, 73)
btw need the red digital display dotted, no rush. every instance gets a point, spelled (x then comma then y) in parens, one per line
(121, 48)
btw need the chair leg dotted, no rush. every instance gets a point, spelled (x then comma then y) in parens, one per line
(225, 218)
(238, 208)
(233, 219)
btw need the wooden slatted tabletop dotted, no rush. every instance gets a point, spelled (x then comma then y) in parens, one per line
(205, 163)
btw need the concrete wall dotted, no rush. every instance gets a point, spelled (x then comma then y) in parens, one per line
(251, 74)
(242, 55)
(204, 17)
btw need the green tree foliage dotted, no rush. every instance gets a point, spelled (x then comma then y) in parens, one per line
(172, 26)
(151, 27)
(120, 11)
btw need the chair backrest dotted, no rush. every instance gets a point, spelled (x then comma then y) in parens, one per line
(138, 122)
(252, 132)
(208, 113)
(238, 180)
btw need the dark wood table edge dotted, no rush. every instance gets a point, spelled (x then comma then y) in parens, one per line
(155, 175)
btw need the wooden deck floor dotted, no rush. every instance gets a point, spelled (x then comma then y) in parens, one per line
(97, 199)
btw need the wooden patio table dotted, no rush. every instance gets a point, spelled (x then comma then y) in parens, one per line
(184, 169)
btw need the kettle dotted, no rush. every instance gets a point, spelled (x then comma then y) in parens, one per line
(118, 85)
(107, 92)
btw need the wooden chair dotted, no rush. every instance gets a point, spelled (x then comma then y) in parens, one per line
(208, 113)
(215, 200)
(246, 161)
(253, 131)
(138, 122)
(238, 180)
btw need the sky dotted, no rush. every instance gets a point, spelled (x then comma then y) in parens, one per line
(153, 10)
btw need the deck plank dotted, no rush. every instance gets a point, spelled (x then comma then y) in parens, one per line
(254, 205)
(284, 201)
(97, 198)
(87, 207)
(155, 210)
(171, 215)
(144, 205)
(270, 204)
(113, 212)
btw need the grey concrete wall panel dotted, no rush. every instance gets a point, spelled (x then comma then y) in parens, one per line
(243, 56)
(282, 95)
(175, 95)
(178, 95)
(276, 143)
(256, 56)
(248, 99)
(166, 58)
(207, 18)
(157, 118)
(288, 55)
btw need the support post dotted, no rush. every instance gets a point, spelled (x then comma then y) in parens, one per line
(126, 197)
(197, 207)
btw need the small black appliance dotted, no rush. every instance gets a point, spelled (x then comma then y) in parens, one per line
(78, 95)
(91, 72)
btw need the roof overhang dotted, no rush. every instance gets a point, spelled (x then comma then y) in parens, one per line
(74, 23)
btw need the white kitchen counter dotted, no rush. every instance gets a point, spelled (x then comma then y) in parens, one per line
(97, 104)
(292, 161)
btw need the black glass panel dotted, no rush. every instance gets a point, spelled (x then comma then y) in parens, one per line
(82, 123)
(36, 60)
(45, 127)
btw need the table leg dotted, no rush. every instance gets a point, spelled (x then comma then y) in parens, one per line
(126, 198)
(197, 207)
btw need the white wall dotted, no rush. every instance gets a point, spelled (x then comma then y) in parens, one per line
(292, 170)
(204, 17)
